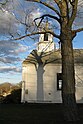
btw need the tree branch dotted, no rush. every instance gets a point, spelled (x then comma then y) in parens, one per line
(45, 4)
(35, 33)
(78, 30)
(67, 9)
(47, 15)
(72, 2)
(64, 10)
(58, 2)
(4, 2)
(74, 11)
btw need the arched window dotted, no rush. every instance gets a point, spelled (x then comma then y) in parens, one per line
(45, 37)
(59, 81)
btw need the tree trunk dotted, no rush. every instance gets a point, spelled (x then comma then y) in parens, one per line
(68, 76)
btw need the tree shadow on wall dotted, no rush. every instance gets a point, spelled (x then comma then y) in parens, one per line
(40, 59)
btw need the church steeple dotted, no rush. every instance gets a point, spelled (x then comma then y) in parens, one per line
(47, 24)
(46, 28)
(46, 43)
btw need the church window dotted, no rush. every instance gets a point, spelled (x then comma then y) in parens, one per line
(59, 81)
(45, 37)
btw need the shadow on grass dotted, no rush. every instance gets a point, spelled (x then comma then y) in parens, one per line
(35, 114)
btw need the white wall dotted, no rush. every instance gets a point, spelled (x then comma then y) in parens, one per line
(49, 84)
(79, 82)
(50, 92)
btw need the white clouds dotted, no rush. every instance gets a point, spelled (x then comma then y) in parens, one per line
(20, 49)
(7, 69)
(14, 14)
(9, 59)
(8, 23)
(11, 48)
(36, 14)
(10, 54)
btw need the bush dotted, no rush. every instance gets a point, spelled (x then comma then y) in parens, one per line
(14, 97)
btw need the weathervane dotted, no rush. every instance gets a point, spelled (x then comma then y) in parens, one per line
(47, 24)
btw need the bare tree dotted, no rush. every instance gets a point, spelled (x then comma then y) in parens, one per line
(65, 14)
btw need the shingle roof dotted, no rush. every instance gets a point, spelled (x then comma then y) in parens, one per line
(52, 57)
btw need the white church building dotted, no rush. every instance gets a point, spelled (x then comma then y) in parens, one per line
(41, 73)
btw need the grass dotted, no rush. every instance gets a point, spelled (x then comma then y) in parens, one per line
(34, 114)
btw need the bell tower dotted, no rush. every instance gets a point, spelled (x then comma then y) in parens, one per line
(46, 43)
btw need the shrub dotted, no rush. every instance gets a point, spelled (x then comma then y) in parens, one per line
(14, 97)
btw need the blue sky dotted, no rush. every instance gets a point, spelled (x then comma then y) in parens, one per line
(12, 53)
(78, 41)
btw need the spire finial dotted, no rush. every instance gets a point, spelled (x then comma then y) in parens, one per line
(46, 27)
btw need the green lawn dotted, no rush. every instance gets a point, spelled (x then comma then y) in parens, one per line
(34, 114)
